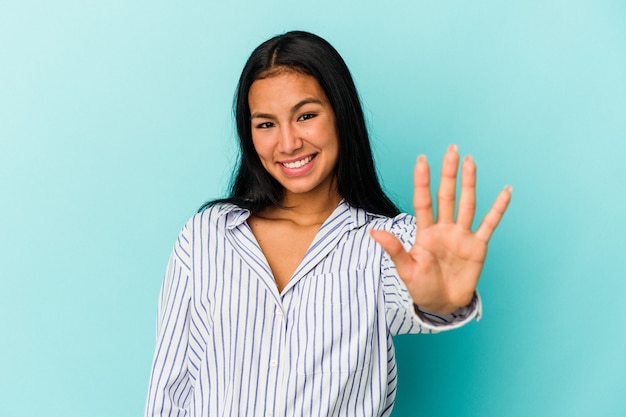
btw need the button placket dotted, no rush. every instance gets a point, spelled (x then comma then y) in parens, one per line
(275, 370)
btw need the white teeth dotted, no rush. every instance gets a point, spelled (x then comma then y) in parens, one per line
(298, 164)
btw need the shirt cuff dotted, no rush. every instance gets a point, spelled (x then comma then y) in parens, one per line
(439, 322)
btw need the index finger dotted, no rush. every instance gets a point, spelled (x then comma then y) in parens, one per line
(422, 200)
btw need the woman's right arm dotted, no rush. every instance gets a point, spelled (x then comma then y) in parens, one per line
(170, 389)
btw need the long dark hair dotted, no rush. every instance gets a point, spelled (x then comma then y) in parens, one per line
(252, 186)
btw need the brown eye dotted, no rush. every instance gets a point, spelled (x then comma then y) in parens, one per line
(307, 116)
(265, 125)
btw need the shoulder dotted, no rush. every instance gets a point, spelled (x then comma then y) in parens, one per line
(397, 224)
(221, 216)
(403, 223)
(209, 226)
(401, 226)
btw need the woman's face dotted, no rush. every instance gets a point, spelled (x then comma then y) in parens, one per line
(294, 133)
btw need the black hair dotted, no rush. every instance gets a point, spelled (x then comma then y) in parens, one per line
(252, 186)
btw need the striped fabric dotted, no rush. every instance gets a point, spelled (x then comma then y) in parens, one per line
(229, 344)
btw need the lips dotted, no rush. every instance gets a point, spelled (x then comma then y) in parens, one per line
(298, 167)
(299, 163)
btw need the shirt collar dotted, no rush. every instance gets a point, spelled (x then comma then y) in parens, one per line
(235, 215)
(356, 217)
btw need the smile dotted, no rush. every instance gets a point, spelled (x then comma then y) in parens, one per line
(298, 164)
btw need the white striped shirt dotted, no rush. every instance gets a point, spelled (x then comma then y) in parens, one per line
(229, 344)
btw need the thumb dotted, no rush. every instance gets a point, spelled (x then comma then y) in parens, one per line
(396, 251)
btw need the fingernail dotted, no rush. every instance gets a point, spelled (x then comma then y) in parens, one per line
(453, 148)
(509, 188)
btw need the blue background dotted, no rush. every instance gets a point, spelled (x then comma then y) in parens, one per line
(115, 126)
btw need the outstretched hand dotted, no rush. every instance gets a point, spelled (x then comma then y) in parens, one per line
(442, 268)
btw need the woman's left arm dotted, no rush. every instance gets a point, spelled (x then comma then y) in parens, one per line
(442, 268)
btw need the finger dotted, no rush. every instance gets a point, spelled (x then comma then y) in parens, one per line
(422, 200)
(447, 186)
(467, 199)
(392, 245)
(493, 217)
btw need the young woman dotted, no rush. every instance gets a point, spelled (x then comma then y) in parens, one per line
(281, 300)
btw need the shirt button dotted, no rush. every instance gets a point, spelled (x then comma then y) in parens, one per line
(279, 312)
(268, 414)
(273, 363)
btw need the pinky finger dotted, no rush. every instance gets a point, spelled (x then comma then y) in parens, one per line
(493, 217)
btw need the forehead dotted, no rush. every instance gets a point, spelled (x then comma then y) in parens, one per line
(285, 88)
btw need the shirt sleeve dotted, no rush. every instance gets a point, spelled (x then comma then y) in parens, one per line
(403, 316)
(170, 388)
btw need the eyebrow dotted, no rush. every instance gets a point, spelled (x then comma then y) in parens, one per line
(295, 108)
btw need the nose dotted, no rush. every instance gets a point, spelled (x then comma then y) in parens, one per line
(289, 140)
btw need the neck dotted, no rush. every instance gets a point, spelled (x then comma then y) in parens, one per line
(304, 209)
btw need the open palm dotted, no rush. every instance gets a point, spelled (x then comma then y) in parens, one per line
(442, 268)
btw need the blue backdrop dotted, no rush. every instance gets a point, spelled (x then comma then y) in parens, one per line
(115, 126)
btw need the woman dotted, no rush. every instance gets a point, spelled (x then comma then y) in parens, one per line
(281, 300)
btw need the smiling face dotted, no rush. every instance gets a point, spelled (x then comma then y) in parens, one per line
(294, 133)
